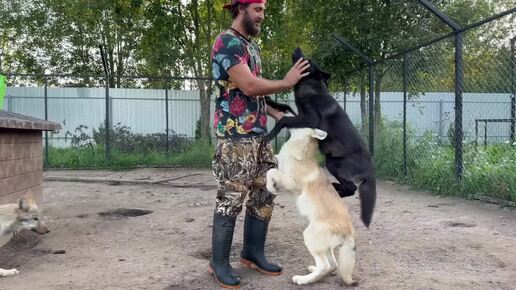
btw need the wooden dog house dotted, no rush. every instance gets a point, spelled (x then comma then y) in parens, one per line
(21, 155)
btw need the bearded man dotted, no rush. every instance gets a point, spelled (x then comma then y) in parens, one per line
(242, 156)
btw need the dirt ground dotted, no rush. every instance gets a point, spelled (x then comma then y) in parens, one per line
(416, 240)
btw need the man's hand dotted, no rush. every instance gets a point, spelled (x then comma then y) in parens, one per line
(297, 72)
(241, 76)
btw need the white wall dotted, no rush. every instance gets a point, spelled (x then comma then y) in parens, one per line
(144, 109)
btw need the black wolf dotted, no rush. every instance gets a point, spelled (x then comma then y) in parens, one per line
(347, 157)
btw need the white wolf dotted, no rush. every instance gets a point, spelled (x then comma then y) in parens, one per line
(330, 225)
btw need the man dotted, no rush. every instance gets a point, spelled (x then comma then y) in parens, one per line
(242, 158)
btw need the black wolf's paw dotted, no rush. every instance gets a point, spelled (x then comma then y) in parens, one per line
(288, 109)
(345, 190)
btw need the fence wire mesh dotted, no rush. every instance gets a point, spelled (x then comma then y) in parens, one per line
(417, 139)
(151, 120)
(489, 86)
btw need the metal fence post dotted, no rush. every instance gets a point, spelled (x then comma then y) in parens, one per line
(166, 117)
(513, 99)
(9, 103)
(476, 133)
(371, 109)
(344, 99)
(108, 124)
(458, 106)
(441, 123)
(276, 139)
(46, 163)
(485, 133)
(405, 84)
(457, 29)
(110, 112)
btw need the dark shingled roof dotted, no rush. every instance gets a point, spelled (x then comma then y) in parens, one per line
(11, 120)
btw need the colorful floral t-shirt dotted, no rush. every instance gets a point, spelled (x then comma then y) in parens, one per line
(236, 115)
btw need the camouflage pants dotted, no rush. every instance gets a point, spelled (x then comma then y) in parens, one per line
(240, 168)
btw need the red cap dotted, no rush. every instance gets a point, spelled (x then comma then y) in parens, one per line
(234, 2)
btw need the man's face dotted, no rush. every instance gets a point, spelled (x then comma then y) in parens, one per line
(253, 17)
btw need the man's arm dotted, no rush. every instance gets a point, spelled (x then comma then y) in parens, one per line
(250, 85)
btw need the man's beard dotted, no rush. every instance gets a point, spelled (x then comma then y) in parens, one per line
(249, 25)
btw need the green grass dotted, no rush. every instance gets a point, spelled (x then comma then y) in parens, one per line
(199, 154)
(488, 171)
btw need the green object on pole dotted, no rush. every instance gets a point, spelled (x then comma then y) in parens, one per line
(3, 87)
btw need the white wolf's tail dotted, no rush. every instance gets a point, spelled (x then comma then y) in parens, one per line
(346, 261)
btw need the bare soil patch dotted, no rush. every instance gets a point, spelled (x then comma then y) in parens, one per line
(151, 229)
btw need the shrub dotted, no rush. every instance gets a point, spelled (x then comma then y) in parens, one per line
(124, 140)
(487, 170)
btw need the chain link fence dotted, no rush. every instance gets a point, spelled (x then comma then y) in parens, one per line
(444, 114)
(151, 120)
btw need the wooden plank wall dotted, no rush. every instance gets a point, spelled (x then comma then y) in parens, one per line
(21, 164)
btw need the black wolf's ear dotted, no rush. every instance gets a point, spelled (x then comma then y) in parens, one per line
(325, 75)
(320, 73)
(297, 54)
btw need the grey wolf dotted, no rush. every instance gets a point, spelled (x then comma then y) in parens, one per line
(15, 217)
(347, 157)
(330, 227)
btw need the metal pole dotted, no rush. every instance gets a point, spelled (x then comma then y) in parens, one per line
(405, 85)
(166, 117)
(444, 18)
(276, 139)
(108, 105)
(46, 163)
(371, 110)
(458, 106)
(346, 43)
(476, 133)
(441, 123)
(111, 108)
(344, 99)
(485, 134)
(9, 103)
(108, 125)
(513, 99)
(459, 33)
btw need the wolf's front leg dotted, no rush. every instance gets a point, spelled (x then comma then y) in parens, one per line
(271, 182)
(277, 179)
(11, 272)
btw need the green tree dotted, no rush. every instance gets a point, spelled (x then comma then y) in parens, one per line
(178, 41)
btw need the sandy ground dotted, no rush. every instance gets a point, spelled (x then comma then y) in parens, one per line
(416, 240)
